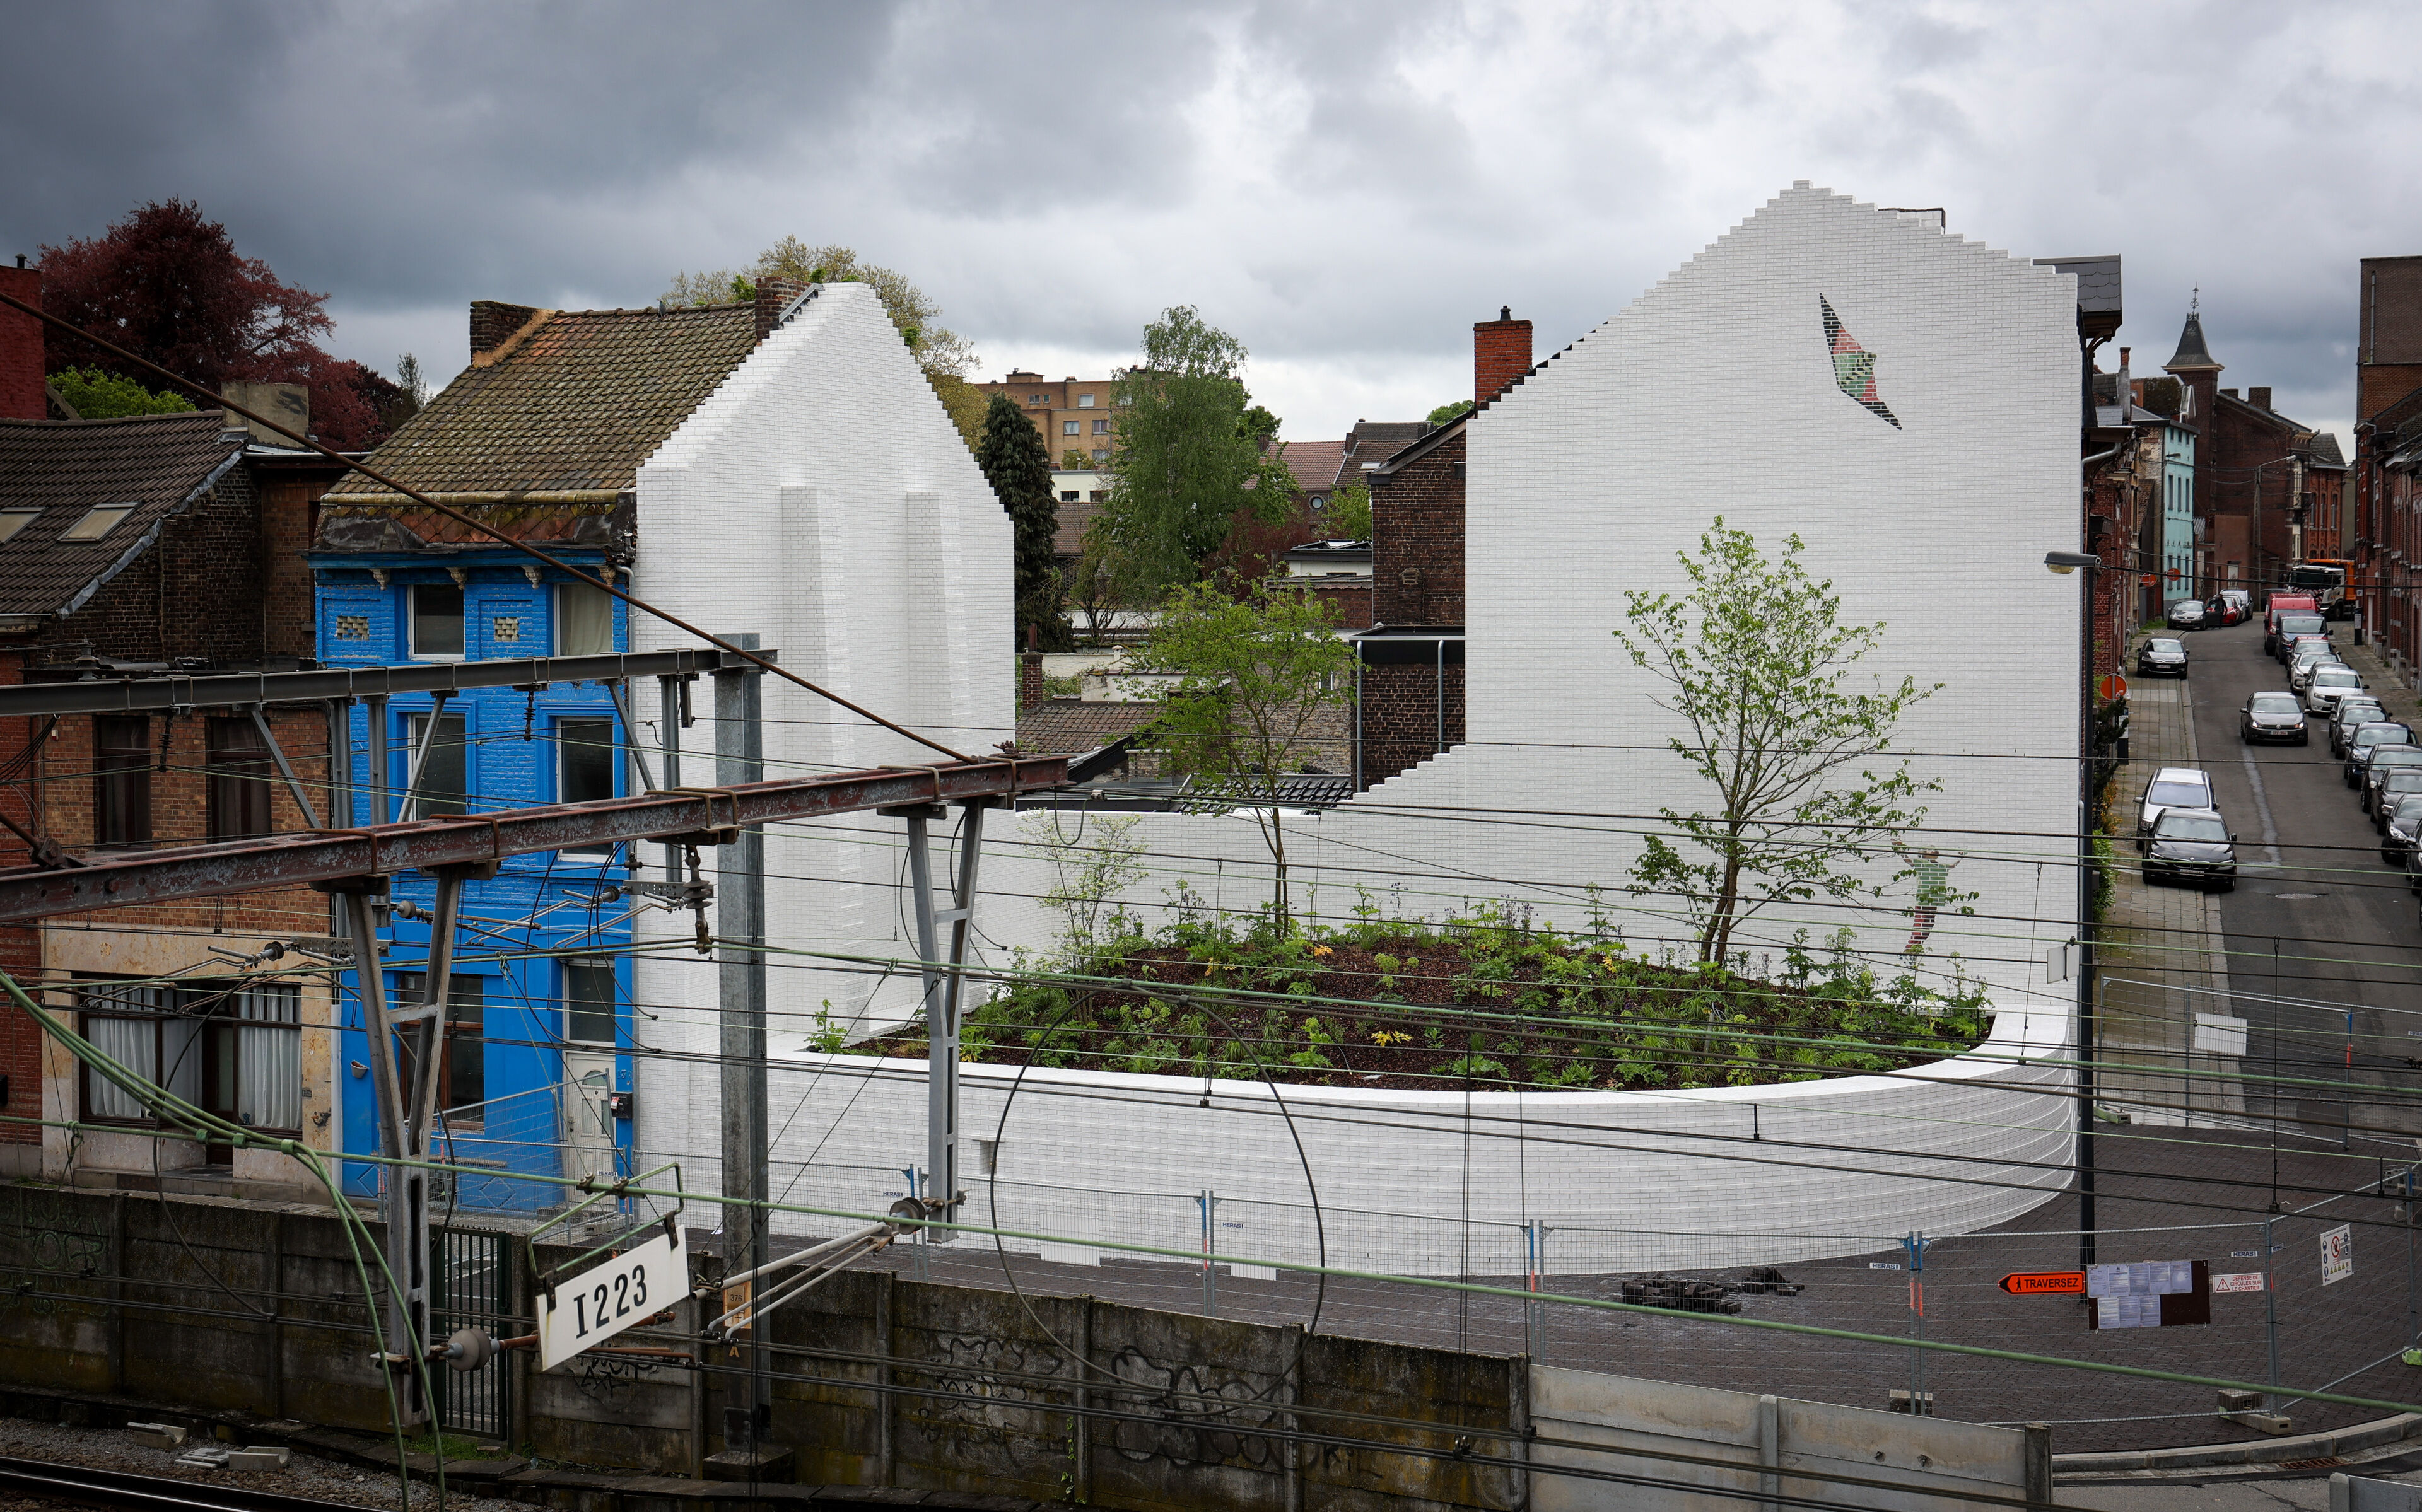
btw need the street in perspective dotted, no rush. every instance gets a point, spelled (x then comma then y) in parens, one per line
(1453, 759)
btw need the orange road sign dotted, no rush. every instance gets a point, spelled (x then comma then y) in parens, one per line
(2045, 1283)
(2113, 686)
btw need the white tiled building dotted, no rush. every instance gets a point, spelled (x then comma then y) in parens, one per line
(1716, 392)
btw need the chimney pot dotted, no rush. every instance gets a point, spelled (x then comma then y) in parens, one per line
(2259, 397)
(1500, 354)
(1030, 680)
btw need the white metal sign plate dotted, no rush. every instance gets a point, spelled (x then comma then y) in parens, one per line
(610, 1296)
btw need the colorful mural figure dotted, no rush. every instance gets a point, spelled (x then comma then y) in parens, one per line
(1854, 367)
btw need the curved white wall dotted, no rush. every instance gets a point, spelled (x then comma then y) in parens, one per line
(1624, 1180)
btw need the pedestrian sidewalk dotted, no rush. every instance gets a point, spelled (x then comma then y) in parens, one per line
(2162, 957)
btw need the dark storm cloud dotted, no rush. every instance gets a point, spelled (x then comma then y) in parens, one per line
(1347, 186)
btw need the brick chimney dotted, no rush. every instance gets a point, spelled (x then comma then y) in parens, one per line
(774, 295)
(1501, 353)
(21, 346)
(2259, 397)
(493, 321)
(1030, 690)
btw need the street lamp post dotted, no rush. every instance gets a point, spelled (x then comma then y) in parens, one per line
(2083, 1032)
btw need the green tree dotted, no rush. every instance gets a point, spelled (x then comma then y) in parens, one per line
(94, 395)
(1075, 460)
(1258, 678)
(943, 354)
(1451, 410)
(1014, 460)
(1762, 674)
(1188, 461)
(1349, 512)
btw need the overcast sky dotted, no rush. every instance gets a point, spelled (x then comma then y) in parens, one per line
(1347, 187)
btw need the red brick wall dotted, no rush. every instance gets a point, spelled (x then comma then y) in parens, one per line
(1417, 538)
(1400, 716)
(1501, 353)
(20, 947)
(20, 347)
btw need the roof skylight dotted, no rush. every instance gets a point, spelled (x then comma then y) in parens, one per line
(13, 521)
(98, 522)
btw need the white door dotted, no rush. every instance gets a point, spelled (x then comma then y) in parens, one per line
(589, 1113)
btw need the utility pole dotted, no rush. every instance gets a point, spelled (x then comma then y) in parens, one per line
(2082, 1034)
(740, 974)
(407, 1112)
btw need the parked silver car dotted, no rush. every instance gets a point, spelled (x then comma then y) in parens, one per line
(2327, 685)
(2272, 716)
(2300, 672)
(2175, 787)
(2351, 713)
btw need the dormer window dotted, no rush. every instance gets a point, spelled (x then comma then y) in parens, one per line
(13, 521)
(98, 522)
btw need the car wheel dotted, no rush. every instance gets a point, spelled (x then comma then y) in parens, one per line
(2305, 739)
(2228, 886)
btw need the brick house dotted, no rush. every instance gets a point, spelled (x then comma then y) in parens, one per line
(1410, 703)
(2268, 489)
(2385, 495)
(134, 547)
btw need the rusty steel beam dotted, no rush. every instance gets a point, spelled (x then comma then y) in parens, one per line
(382, 849)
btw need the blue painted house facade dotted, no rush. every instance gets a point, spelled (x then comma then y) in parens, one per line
(540, 439)
(2177, 514)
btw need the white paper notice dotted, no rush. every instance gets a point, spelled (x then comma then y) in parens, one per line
(2337, 1255)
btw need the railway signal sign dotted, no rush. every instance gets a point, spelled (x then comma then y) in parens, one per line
(2045, 1283)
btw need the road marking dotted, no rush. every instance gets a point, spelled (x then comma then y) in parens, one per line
(2262, 806)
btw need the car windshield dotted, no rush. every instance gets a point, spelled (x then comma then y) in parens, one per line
(2383, 735)
(2395, 755)
(2273, 703)
(2172, 647)
(2191, 794)
(2336, 677)
(2407, 808)
(2301, 624)
(2402, 780)
(2191, 826)
(2315, 653)
(2358, 711)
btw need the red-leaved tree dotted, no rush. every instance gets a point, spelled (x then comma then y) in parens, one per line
(167, 284)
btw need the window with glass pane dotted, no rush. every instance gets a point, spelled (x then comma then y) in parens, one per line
(131, 1042)
(121, 798)
(155, 1033)
(240, 769)
(589, 993)
(445, 786)
(584, 620)
(464, 1084)
(269, 1056)
(436, 622)
(585, 755)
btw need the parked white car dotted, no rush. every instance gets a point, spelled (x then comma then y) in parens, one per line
(2172, 788)
(2328, 685)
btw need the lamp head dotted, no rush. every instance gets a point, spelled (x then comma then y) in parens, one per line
(2067, 562)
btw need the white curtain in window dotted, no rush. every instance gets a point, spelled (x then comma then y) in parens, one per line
(129, 1042)
(584, 620)
(269, 1057)
(181, 1051)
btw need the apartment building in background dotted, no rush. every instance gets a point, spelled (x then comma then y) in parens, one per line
(1073, 414)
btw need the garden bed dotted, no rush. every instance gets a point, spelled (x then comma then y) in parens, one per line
(1484, 1001)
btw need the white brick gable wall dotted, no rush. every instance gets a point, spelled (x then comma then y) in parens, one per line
(822, 499)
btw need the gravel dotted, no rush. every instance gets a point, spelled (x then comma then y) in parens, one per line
(116, 1449)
